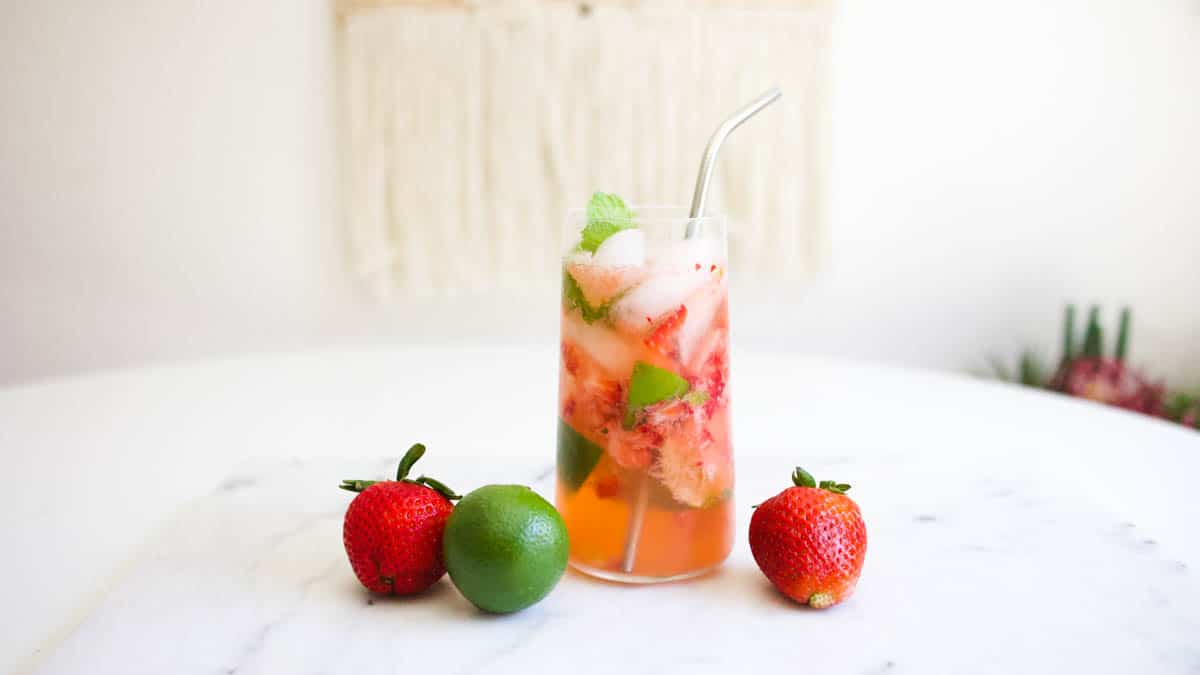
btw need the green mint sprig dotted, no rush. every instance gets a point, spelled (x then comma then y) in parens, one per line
(574, 298)
(607, 215)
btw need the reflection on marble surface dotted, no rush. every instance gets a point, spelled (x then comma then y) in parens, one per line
(971, 567)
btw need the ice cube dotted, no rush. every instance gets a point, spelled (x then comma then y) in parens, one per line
(702, 308)
(576, 258)
(607, 349)
(659, 294)
(626, 248)
(601, 284)
(687, 253)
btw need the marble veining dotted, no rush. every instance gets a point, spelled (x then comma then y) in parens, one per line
(967, 572)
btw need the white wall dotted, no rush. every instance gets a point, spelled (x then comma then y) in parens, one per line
(167, 186)
(166, 180)
(993, 161)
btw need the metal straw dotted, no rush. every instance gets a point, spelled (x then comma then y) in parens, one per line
(707, 165)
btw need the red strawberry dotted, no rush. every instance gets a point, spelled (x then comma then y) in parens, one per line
(393, 530)
(810, 541)
(633, 449)
(589, 398)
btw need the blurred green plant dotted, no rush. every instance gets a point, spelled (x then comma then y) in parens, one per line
(1085, 371)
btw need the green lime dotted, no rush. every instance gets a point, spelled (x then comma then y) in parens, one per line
(505, 547)
(650, 384)
(577, 456)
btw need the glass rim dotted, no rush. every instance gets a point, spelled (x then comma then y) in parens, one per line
(657, 214)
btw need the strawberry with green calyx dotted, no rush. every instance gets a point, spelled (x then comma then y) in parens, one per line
(393, 529)
(416, 452)
(810, 541)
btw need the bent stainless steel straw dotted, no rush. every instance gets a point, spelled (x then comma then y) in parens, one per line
(707, 165)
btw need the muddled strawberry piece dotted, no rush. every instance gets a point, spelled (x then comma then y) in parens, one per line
(592, 400)
(570, 357)
(605, 403)
(721, 318)
(708, 371)
(633, 449)
(666, 416)
(693, 465)
(673, 421)
(607, 487)
(664, 337)
(715, 374)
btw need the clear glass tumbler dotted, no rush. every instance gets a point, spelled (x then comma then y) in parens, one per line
(645, 462)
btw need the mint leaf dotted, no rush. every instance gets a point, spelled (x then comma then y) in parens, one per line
(607, 215)
(596, 233)
(608, 208)
(572, 294)
(574, 298)
(696, 397)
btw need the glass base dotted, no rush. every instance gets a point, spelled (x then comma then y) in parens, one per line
(623, 578)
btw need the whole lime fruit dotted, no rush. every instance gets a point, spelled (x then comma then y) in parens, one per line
(505, 547)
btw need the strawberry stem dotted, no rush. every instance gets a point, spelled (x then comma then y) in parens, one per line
(357, 485)
(416, 452)
(834, 487)
(406, 464)
(802, 478)
(437, 486)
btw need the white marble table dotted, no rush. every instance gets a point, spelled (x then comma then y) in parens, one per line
(186, 520)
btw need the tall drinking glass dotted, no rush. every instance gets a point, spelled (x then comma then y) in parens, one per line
(645, 465)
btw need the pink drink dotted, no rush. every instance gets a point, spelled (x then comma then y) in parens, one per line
(643, 400)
